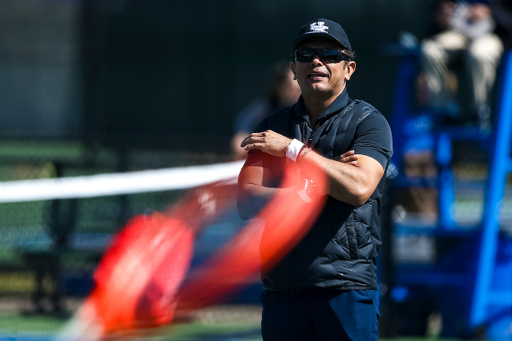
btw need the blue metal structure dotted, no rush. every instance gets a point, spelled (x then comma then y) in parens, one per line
(476, 276)
(408, 69)
(501, 165)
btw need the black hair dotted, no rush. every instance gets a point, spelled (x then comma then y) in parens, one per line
(350, 54)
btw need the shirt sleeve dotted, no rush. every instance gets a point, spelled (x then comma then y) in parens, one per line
(373, 138)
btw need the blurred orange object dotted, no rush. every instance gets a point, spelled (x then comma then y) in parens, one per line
(138, 278)
(140, 281)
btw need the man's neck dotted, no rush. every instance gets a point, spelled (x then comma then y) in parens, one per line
(316, 105)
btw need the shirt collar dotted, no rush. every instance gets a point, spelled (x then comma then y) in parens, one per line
(338, 105)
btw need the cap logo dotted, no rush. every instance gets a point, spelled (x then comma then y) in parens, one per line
(319, 27)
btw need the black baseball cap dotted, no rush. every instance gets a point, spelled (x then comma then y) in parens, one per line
(322, 28)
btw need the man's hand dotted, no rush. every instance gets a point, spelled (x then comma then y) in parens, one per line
(268, 141)
(348, 157)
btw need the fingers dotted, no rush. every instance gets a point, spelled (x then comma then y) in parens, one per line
(254, 137)
(251, 146)
(349, 158)
(251, 140)
(268, 142)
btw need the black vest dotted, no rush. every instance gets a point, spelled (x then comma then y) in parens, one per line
(340, 250)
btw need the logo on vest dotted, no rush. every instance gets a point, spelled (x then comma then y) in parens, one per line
(319, 27)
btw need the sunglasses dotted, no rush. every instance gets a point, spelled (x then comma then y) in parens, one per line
(326, 55)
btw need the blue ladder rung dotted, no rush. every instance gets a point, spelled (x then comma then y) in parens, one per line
(500, 298)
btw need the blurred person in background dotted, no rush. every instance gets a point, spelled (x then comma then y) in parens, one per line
(325, 288)
(467, 35)
(284, 91)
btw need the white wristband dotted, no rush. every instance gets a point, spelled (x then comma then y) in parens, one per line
(293, 149)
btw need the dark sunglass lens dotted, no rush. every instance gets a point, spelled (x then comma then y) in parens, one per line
(305, 55)
(328, 54)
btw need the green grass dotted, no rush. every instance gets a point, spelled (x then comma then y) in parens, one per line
(13, 325)
(46, 326)
(197, 330)
(17, 324)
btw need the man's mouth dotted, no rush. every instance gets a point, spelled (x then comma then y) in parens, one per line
(316, 75)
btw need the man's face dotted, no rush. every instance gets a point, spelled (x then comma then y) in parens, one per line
(322, 78)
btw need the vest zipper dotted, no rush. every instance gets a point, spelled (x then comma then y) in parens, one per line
(307, 141)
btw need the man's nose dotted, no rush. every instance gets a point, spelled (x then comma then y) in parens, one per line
(316, 60)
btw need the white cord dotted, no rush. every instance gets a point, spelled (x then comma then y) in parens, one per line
(118, 183)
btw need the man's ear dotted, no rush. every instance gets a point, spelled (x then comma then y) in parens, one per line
(351, 68)
(292, 66)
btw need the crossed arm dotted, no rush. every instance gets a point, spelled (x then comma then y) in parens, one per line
(353, 180)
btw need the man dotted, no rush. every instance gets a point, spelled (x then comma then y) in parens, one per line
(468, 35)
(325, 288)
